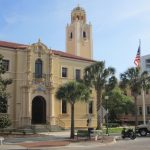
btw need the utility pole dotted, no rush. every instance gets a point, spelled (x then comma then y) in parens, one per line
(106, 98)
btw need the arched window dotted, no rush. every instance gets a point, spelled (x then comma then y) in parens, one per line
(71, 35)
(84, 34)
(38, 68)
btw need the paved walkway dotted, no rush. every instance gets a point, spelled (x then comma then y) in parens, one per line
(49, 139)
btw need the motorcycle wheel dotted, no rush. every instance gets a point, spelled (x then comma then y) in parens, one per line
(132, 136)
(123, 137)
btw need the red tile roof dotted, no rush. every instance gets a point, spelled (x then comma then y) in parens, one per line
(55, 52)
(67, 55)
(12, 45)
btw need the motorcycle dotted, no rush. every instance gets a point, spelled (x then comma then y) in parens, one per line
(128, 133)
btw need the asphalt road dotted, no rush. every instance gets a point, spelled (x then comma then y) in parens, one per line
(140, 143)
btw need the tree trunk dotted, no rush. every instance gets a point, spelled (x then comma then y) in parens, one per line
(99, 115)
(136, 111)
(72, 121)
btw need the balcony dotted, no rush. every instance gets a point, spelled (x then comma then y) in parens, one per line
(44, 78)
(39, 76)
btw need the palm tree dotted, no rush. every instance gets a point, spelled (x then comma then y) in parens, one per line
(101, 78)
(72, 92)
(134, 80)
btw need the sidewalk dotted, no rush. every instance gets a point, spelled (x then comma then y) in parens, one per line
(50, 139)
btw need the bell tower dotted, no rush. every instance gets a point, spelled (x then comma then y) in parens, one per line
(79, 34)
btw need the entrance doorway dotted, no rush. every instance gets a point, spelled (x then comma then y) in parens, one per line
(38, 110)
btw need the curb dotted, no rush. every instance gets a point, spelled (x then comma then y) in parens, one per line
(92, 144)
(64, 143)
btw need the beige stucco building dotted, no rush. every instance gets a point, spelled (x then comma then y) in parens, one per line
(37, 72)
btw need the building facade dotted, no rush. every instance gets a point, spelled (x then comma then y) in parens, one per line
(37, 72)
(145, 66)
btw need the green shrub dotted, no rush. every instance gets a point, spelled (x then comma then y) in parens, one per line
(4, 121)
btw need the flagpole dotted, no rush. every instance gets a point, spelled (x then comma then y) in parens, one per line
(140, 42)
(143, 94)
(143, 99)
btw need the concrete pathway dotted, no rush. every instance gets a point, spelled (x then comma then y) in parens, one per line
(49, 139)
(11, 147)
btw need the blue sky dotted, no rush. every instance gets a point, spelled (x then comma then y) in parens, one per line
(117, 26)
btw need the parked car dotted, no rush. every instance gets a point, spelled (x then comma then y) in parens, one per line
(143, 129)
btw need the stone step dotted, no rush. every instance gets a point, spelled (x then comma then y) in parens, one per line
(45, 128)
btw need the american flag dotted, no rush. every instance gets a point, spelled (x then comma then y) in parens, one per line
(137, 58)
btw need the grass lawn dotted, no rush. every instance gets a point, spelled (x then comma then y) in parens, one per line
(113, 130)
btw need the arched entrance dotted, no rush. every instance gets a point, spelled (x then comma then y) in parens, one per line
(38, 110)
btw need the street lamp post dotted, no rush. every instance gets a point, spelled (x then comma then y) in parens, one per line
(106, 98)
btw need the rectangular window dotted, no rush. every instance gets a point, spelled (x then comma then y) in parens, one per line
(148, 110)
(64, 72)
(140, 110)
(147, 60)
(6, 64)
(78, 74)
(91, 107)
(64, 107)
(147, 64)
